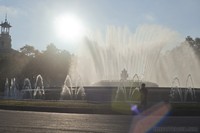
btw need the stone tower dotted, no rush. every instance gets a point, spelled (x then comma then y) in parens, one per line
(5, 38)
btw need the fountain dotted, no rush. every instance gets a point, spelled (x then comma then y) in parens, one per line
(79, 89)
(39, 91)
(175, 92)
(11, 91)
(190, 89)
(180, 94)
(139, 53)
(155, 52)
(6, 89)
(72, 92)
(27, 87)
(122, 85)
(67, 91)
(121, 89)
(128, 88)
(144, 53)
(26, 91)
(135, 88)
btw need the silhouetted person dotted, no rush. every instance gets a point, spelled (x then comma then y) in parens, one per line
(143, 94)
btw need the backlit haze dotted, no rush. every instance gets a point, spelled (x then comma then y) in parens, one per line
(109, 36)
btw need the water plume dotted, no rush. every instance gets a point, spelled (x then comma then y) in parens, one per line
(152, 52)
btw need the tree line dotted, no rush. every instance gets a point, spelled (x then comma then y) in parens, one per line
(53, 64)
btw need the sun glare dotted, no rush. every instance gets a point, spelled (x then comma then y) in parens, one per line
(69, 27)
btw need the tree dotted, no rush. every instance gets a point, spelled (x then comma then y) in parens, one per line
(11, 65)
(51, 49)
(195, 44)
(189, 39)
(29, 51)
(197, 41)
(53, 64)
(56, 64)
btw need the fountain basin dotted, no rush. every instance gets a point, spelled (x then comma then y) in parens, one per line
(107, 93)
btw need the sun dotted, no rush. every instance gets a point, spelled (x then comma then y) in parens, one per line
(69, 27)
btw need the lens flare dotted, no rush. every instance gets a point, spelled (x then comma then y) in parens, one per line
(134, 109)
(148, 119)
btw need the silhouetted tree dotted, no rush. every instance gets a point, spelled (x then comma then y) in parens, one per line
(11, 65)
(29, 50)
(194, 43)
(53, 64)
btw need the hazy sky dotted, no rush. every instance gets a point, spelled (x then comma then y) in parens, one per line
(32, 20)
